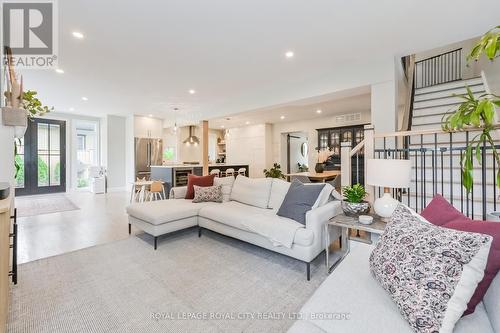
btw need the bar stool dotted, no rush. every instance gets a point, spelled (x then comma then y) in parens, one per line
(138, 190)
(229, 172)
(215, 172)
(156, 190)
(242, 171)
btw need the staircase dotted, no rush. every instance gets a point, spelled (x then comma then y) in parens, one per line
(433, 102)
(435, 169)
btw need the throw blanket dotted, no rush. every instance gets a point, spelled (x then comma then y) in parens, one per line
(280, 231)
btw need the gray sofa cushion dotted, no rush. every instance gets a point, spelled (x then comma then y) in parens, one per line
(299, 200)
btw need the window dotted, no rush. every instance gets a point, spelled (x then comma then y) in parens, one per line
(81, 141)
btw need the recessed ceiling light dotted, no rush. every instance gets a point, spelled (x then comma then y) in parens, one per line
(221, 126)
(247, 123)
(282, 117)
(150, 115)
(78, 35)
(192, 91)
(85, 99)
(318, 111)
(59, 71)
(289, 54)
(72, 109)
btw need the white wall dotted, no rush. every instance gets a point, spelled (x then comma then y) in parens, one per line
(250, 145)
(309, 127)
(7, 170)
(116, 152)
(383, 106)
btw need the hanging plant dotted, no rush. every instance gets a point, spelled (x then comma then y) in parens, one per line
(33, 106)
(477, 113)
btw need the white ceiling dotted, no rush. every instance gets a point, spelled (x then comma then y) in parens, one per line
(340, 103)
(142, 57)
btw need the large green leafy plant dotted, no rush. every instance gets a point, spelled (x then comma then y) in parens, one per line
(274, 172)
(477, 112)
(354, 194)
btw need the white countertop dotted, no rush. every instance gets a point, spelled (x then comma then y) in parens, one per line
(193, 165)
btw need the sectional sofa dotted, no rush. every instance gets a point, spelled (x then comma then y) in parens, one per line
(351, 300)
(248, 213)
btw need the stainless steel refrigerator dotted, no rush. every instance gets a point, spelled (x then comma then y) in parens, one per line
(148, 152)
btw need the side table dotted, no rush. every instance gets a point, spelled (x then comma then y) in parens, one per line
(346, 222)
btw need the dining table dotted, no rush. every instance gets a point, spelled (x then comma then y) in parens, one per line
(314, 176)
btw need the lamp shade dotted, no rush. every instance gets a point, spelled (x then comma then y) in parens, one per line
(388, 173)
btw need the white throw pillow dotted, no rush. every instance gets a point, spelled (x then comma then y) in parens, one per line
(430, 272)
(324, 195)
(279, 189)
(227, 186)
(252, 191)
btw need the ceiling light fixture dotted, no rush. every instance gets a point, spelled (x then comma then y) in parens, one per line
(78, 35)
(192, 91)
(85, 99)
(221, 126)
(289, 54)
(72, 109)
(282, 117)
(150, 116)
(247, 123)
(318, 111)
(59, 71)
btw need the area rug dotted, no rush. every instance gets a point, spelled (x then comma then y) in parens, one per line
(190, 284)
(43, 204)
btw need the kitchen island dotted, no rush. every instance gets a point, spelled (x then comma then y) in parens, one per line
(177, 174)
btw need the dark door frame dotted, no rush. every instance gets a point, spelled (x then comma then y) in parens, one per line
(31, 159)
(288, 137)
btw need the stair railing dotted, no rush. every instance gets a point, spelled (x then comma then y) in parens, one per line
(436, 168)
(443, 68)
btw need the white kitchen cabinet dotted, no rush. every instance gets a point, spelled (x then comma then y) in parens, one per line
(146, 127)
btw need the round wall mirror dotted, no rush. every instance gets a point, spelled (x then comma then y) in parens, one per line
(304, 149)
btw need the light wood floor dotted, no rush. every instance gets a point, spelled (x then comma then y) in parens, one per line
(100, 219)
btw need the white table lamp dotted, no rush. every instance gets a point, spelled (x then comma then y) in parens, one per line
(390, 173)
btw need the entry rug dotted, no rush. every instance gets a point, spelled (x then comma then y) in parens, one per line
(43, 204)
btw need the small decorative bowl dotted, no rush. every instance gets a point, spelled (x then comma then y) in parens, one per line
(365, 219)
(355, 209)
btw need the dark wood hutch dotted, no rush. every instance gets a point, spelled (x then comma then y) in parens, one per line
(331, 138)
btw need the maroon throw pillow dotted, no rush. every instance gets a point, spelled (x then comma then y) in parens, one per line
(440, 211)
(463, 223)
(202, 181)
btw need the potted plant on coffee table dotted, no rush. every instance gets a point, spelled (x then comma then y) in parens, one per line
(353, 203)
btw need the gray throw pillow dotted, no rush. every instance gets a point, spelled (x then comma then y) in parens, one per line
(299, 200)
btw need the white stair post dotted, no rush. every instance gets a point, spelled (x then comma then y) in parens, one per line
(345, 164)
(369, 153)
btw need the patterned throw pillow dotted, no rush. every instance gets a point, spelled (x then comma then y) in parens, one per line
(207, 194)
(430, 272)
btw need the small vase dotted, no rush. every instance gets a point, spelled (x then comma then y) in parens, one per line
(319, 168)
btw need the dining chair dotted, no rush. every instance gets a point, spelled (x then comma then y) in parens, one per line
(156, 191)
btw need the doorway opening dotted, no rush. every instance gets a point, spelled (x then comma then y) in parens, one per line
(297, 152)
(41, 157)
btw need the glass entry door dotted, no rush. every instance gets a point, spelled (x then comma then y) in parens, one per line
(43, 151)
